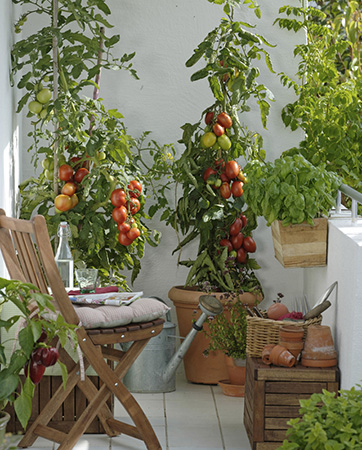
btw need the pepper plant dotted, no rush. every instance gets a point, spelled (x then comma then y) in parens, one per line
(208, 178)
(37, 330)
(84, 149)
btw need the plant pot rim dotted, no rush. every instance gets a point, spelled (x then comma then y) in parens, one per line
(189, 295)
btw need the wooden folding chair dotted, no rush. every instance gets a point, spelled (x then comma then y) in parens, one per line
(29, 257)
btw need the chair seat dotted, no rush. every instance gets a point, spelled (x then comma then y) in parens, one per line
(142, 310)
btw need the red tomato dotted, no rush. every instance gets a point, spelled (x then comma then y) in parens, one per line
(219, 163)
(80, 174)
(241, 256)
(119, 214)
(209, 171)
(218, 129)
(224, 177)
(118, 197)
(74, 160)
(123, 239)
(65, 172)
(235, 227)
(69, 188)
(133, 233)
(232, 169)
(124, 227)
(244, 220)
(249, 244)
(134, 205)
(225, 190)
(63, 202)
(226, 243)
(208, 117)
(224, 120)
(237, 188)
(135, 187)
(237, 240)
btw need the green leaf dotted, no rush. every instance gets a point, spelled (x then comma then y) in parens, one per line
(216, 212)
(26, 340)
(200, 74)
(23, 406)
(8, 385)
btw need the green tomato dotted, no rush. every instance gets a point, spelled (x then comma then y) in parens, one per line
(101, 156)
(49, 174)
(35, 107)
(224, 142)
(44, 96)
(233, 254)
(208, 139)
(46, 79)
(45, 163)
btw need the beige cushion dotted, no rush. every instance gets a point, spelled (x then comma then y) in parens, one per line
(141, 310)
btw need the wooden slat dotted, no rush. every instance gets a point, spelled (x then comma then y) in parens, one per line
(258, 411)
(298, 374)
(285, 399)
(56, 382)
(277, 423)
(50, 433)
(282, 411)
(275, 435)
(267, 445)
(298, 388)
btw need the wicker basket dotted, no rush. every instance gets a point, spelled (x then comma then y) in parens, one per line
(263, 331)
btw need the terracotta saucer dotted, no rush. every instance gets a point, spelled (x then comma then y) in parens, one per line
(232, 390)
(319, 362)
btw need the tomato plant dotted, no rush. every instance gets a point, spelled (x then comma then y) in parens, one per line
(63, 202)
(237, 188)
(69, 188)
(80, 174)
(208, 117)
(224, 120)
(119, 215)
(133, 233)
(225, 190)
(124, 239)
(218, 129)
(237, 240)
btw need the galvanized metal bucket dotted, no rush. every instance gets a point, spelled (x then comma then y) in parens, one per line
(145, 374)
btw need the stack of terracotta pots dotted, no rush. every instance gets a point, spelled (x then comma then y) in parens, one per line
(319, 350)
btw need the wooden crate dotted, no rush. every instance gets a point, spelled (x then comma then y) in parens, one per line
(301, 245)
(272, 397)
(69, 412)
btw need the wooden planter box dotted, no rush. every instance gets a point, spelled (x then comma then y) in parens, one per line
(301, 245)
(69, 412)
(272, 397)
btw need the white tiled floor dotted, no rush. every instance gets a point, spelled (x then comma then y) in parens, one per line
(192, 417)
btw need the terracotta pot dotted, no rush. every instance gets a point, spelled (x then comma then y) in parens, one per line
(294, 347)
(198, 368)
(291, 333)
(280, 356)
(319, 350)
(235, 369)
(265, 355)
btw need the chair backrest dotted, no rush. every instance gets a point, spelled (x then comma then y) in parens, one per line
(28, 255)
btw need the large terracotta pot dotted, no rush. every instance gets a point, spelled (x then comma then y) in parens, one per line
(236, 370)
(198, 368)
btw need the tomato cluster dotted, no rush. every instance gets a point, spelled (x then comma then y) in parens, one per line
(237, 244)
(217, 135)
(126, 204)
(39, 106)
(68, 198)
(229, 178)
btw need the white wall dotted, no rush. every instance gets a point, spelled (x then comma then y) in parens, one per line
(344, 316)
(164, 33)
(8, 147)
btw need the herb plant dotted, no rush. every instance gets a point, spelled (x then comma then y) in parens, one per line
(227, 331)
(328, 107)
(328, 422)
(290, 189)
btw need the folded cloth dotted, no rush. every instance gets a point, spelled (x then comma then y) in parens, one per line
(100, 290)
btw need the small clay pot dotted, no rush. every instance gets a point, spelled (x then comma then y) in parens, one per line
(319, 350)
(280, 356)
(294, 347)
(290, 333)
(265, 354)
